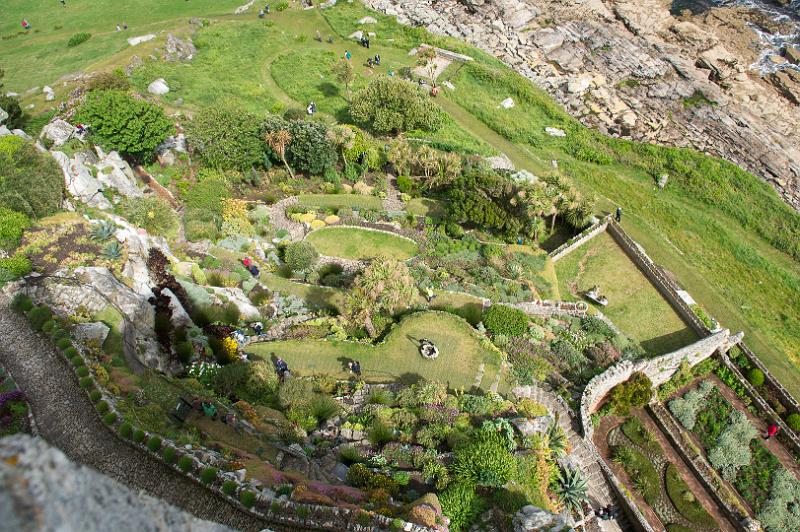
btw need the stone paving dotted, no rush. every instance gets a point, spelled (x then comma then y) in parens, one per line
(67, 420)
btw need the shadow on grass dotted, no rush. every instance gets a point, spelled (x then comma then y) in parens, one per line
(668, 343)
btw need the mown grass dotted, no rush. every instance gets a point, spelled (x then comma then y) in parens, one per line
(339, 201)
(356, 243)
(398, 357)
(634, 304)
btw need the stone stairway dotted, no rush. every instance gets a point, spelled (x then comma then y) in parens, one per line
(599, 491)
(392, 203)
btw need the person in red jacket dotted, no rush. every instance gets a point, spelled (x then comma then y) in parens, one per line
(772, 430)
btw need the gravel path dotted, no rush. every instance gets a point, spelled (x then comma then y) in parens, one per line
(67, 420)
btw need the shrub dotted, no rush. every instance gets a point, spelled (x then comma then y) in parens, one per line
(14, 267)
(228, 139)
(247, 498)
(485, 461)
(300, 256)
(380, 433)
(21, 303)
(38, 316)
(506, 321)
(594, 325)
(121, 122)
(185, 464)
(169, 454)
(10, 104)
(49, 326)
(208, 475)
(110, 418)
(755, 377)
(530, 408)
(115, 80)
(380, 396)
(324, 407)
(793, 421)
(30, 182)
(151, 213)
(95, 395)
(154, 444)
(685, 408)
(229, 488)
(86, 382)
(633, 393)
(349, 455)
(732, 450)
(462, 504)
(78, 38)
(63, 343)
(311, 150)
(125, 430)
(12, 225)
(207, 194)
(391, 105)
(76, 361)
(102, 407)
(639, 468)
(139, 436)
(82, 371)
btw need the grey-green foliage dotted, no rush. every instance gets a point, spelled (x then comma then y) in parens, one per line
(685, 408)
(782, 509)
(732, 450)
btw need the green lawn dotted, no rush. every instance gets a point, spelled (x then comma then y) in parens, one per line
(398, 357)
(357, 243)
(634, 304)
(320, 296)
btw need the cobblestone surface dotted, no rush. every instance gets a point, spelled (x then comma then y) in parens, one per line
(67, 420)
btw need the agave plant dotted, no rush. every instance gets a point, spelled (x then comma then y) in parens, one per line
(113, 251)
(571, 488)
(557, 439)
(103, 231)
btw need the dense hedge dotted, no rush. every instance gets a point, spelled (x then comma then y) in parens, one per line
(507, 321)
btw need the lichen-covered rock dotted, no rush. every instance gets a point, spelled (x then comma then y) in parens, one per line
(530, 518)
(41, 489)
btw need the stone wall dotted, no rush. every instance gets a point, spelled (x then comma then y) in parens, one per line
(579, 240)
(548, 308)
(658, 369)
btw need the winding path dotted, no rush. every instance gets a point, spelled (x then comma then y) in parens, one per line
(66, 418)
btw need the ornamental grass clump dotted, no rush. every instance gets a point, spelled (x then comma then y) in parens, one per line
(247, 498)
(154, 444)
(185, 463)
(229, 488)
(208, 475)
(138, 435)
(125, 430)
(169, 454)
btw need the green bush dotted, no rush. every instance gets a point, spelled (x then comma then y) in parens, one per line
(226, 138)
(485, 460)
(21, 303)
(38, 316)
(506, 321)
(247, 498)
(152, 214)
(49, 326)
(380, 433)
(755, 377)
(154, 444)
(392, 105)
(207, 194)
(10, 104)
(324, 407)
(114, 80)
(102, 407)
(76, 361)
(110, 418)
(350, 455)
(95, 395)
(169, 454)
(63, 344)
(462, 504)
(185, 464)
(300, 256)
(12, 225)
(14, 267)
(125, 430)
(123, 123)
(208, 475)
(405, 184)
(82, 371)
(633, 393)
(360, 476)
(30, 182)
(793, 421)
(86, 382)
(78, 38)
(184, 351)
(229, 488)
(311, 150)
(139, 436)
(641, 470)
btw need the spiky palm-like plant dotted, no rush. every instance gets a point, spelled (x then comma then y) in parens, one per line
(557, 439)
(571, 489)
(103, 231)
(113, 251)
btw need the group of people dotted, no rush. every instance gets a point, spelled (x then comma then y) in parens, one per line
(248, 263)
(264, 11)
(312, 108)
(123, 27)
(374, 61)
(281, 368)
(365, 41)
(355, 367)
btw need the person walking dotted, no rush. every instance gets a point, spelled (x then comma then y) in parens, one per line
(347, 55)
(618, 217)
(772, 430)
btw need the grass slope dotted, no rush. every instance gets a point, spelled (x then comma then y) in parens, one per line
(634, 304)
(356, 243)
(398, 356)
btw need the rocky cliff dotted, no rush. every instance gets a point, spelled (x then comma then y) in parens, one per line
(631, 69)
(40, 489)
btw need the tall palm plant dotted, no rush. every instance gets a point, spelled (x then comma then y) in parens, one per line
(279, 140)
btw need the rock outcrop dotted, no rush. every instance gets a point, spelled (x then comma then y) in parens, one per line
(630, 69)
(41, 489)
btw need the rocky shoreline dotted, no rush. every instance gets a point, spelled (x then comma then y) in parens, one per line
(630, 69)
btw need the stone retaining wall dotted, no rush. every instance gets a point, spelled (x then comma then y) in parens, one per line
(579, 240)
(658, 370)
(552, 308)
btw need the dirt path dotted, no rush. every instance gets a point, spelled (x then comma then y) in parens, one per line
(686, 472)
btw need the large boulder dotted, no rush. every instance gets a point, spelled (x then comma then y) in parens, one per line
(158, 87)
(58, 132)
(80, 181)
(179, 49)
(41, 489)
(114, 172)
(530, 519)
(96, 332)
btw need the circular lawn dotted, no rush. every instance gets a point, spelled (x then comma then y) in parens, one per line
(358, 243)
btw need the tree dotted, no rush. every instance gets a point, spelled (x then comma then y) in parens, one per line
(401, 155)
(279, 140)
(310, 149)
(30, 182)
(343, 138)
(343, 71)
(391, 105)
(10, 105)
(226, 138)
(301, 256)
(384, 286)
(121, 122)
(427, 59)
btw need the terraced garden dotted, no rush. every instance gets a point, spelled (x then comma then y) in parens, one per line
(357, 243)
